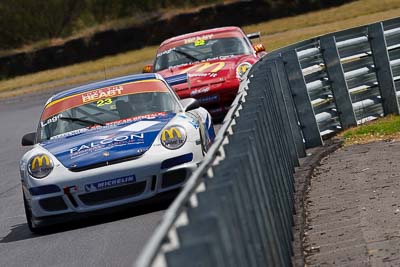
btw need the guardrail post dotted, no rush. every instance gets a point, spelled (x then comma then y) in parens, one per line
(302, 100)
(383, 69)
(290, 108)
(220, 194)
(198, 253)
(338, 82)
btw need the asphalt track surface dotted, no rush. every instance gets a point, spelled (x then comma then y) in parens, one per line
(353, 207)
(109, 240)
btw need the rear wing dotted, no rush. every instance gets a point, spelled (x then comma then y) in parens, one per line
(253, 35)
(177, 79)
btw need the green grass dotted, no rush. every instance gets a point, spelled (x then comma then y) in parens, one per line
(275, 34)
(281, 32)
(107, 67)
(387, 128)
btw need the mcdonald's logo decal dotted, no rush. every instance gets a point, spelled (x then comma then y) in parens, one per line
(170, 134)
(206, 66)
(173, 137)
(38, 161)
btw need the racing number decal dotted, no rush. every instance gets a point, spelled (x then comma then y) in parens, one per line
(199, 42)
(102, 102)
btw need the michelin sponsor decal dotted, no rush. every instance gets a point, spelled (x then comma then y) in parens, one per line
(110, 183)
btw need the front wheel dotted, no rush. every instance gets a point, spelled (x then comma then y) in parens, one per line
(29, 219)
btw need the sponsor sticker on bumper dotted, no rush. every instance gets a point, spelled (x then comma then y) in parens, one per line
(110, 183)
(208, 99)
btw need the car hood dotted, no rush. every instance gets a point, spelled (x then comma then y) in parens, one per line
(108, 143)
(208, 72)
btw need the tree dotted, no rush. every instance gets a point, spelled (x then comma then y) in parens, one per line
(26, 21)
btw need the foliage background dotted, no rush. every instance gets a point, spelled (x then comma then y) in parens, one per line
(26, 21)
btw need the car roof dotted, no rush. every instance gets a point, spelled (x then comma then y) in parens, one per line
(105, 83)
(203, 32)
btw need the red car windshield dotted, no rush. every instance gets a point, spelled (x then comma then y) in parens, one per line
(201, 49)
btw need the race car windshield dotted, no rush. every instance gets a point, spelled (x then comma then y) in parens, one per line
(201, 50)
(106, 106)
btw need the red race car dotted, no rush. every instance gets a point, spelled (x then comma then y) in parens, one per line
(215, 60)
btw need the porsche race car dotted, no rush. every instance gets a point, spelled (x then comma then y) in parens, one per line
(216, 60)
(110, 143)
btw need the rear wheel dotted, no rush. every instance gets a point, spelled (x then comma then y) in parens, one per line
(29, 219)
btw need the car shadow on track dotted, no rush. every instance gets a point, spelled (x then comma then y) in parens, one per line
(21, 231)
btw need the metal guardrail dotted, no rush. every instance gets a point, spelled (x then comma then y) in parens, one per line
(236, 209)
(349, 77)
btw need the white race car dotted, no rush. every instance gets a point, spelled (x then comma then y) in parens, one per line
(111, 143)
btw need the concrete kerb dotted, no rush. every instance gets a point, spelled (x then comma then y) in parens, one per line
(302, 178)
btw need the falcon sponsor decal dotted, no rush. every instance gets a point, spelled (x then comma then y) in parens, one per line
(108, 142)
(110, 183)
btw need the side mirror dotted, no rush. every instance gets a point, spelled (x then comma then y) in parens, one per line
(28, 139)
(147, 69)
(254, 35)
(259, 48)
(189, 104)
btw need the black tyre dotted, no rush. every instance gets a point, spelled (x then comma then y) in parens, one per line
(29, 219)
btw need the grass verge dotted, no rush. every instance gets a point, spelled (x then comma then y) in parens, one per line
(383, 129)
(107, 67)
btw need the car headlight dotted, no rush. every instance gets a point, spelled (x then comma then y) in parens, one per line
(242, 69)
(173, 137)
(40, 166)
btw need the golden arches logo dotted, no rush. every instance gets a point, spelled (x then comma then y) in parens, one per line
(202, 67)
(171, 133)
(38, 160)
(243, 68)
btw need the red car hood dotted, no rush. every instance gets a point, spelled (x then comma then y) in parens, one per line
(208, 72)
